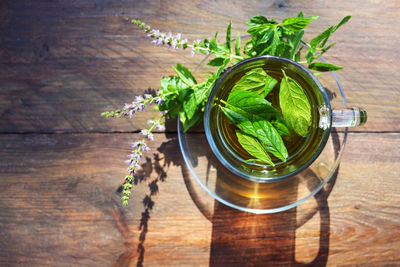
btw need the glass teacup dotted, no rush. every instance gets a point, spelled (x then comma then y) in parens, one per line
(323, 119)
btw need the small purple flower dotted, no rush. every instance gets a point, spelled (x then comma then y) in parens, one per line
(139, 99)
(159, 100)
(147, 134)
(160, 127)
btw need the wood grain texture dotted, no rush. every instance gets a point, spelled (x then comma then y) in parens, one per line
(59, 205)
(63, 63)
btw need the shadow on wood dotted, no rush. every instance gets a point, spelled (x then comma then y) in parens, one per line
(240, 238)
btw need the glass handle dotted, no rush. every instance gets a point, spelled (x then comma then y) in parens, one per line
(349, 117)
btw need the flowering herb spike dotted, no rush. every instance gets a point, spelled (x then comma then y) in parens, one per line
(138, 148)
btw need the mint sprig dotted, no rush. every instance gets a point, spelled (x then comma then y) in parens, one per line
(182, 95)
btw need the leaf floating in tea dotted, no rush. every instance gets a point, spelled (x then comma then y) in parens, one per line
(296, 109)
(239, 120)
(281, 127)
(253, 147)
(271, 139)
(257, 81)
(251, 105)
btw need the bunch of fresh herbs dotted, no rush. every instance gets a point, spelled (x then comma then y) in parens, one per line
(181, 95)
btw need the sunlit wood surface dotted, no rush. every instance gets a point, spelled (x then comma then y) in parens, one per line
(62, 63)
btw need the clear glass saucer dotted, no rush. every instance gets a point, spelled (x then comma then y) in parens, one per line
(257, 197)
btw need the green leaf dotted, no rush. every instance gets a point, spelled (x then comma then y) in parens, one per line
(259, 20)
(216, 62)
(269, 84)
(251, 105)
(172, 84)
(202, 91)
(323, 51)
(237, 118)
(219, 50)
(342, 22)
(228, 36)
(187, 124)
(257, 81)
(266, 37)
(271, 139)
(296, 23)
(300, 15)
(237, 45)
(281, 127)
(185, 75)
(321, 66)
(173, 87)
(189, 103)
(222, 67)
(296, 43)
(295, 106)
(253, 147)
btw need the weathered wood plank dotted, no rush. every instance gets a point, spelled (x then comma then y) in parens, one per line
(59, 205)
(63, 63)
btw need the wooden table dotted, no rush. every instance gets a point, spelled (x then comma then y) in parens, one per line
(64, 62)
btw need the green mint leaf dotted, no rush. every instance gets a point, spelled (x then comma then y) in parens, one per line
(259, 30)
(189, 123)
(204, 44)
(228, 36)
(219, 50)
(172, 84)
(259, 20)
(185, 75)
(274, 41)
(189, 103)
(271, 139)
(216, 62)
(202, 91)
(237, 45)
(241, 121)
(321, 66)
(323, 51)
(297, 24)
(281, 127)
(296, 43)
(257, 81)
(283, 50)
(300, 15)
(269, 84)
(172, 87)
(253, 147)
(296, 109)
(222, 67)
(266, 37)
(251, 105)
(342, 22)
(323, 38)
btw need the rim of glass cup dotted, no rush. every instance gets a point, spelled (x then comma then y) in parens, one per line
(214, 147)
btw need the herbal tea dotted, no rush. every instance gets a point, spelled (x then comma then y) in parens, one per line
(280, 140)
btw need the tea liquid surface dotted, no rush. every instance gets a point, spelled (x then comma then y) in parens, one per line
(295, 144)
